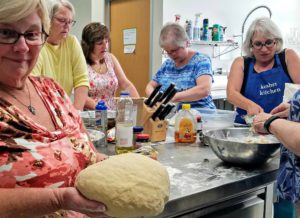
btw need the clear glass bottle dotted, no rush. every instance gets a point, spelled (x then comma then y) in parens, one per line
(101, 119)
(185, 125)
(124, 124)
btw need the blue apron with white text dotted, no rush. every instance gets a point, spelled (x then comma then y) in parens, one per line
(265, 89)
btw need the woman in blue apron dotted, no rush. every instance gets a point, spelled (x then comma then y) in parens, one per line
(256, 82)
(265, 88)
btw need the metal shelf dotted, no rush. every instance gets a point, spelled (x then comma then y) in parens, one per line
(230, 46)
(214, 43)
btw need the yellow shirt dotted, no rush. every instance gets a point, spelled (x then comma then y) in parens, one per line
(65, 63)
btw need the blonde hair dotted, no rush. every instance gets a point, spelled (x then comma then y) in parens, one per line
(14, 10)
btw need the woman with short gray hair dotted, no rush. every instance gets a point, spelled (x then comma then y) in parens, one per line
(61, 57)
(174, 34)
(256, 82)
(266, 27)
(54, 5)
(189, 70)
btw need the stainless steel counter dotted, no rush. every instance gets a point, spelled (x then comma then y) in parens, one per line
(202, 184)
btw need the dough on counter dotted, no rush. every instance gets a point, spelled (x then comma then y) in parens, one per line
(130, 185)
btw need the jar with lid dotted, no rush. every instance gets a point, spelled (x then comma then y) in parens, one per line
(142, 139)
(136, 130)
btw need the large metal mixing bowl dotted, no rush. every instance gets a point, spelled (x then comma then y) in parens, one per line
(230, 146)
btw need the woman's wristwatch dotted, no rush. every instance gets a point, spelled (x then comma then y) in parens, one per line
(268, 122)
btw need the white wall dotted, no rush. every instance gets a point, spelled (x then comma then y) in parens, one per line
(231, 13)
(86, 11)
(155, 27)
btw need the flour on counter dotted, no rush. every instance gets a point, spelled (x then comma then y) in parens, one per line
(200, 176)
(173, 171)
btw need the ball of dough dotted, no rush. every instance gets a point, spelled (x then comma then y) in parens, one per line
(130, 185)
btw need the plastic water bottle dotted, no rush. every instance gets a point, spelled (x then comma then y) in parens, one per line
(124, 124)
(101, 118)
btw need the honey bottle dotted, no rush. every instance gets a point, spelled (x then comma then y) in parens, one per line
(185, 126)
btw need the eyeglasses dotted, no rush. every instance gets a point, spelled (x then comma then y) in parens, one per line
(164, 52)
(8, 36)
(65, 21)
(269, 43)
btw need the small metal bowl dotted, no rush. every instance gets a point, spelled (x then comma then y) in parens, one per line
(230, 146)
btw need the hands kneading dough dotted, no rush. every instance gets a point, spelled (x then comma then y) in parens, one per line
(130, 185)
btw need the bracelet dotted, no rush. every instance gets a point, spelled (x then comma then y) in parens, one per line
(268, 122)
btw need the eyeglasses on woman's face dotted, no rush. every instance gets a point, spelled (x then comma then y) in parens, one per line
(64, 21)
(269, 43)
(8, 36)
(170, 52)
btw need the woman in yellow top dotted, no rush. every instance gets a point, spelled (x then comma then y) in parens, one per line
(61, 57)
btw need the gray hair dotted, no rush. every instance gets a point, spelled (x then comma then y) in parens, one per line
(13, 10)
(54, 5)
(174, 34)
(267, 28)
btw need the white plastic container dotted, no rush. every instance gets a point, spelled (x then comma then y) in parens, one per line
(216, 119)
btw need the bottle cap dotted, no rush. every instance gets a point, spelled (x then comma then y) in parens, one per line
(216, 26)
(199, 119)
(137, 129)
(186, 106)
(101, 105)
(124, 93)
